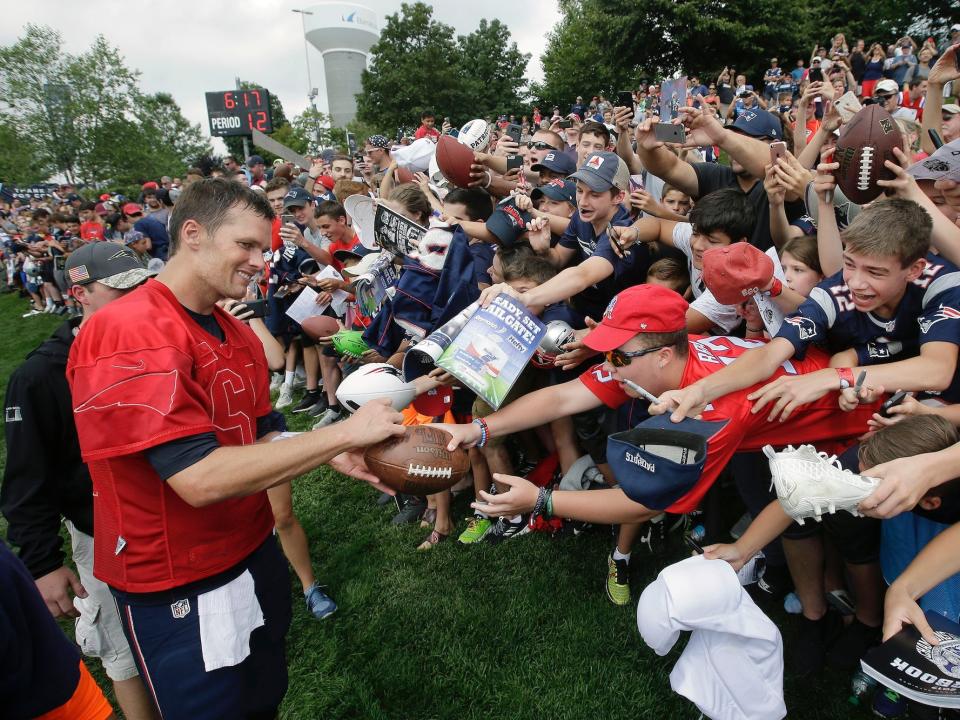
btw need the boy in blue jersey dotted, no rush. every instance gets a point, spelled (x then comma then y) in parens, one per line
(596, 272)
(892, 310)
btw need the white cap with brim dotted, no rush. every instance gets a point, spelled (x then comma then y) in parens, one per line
(951, 108)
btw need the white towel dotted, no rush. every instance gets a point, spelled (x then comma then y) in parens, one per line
(228, 615)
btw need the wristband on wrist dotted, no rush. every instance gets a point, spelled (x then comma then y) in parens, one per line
(755, 329)
(548, 507)
(846, 378)
(776, 288)
(539, 504)
(484, 431)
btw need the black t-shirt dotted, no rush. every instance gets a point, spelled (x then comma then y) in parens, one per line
(725, 93)
(711, 176)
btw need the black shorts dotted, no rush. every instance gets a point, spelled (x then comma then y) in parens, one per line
(164, 632)
(592, 428)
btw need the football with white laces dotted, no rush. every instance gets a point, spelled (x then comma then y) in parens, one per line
(810, 483)
(418, 462)
(374, 381)
(864, 144)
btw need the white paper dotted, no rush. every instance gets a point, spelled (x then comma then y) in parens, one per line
(305, 306)
(944, 163)
(339, 298)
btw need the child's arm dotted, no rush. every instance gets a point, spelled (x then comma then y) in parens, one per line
(934, 564)
(781, 231)
(829, 245)
(765, 528)
(647, 229)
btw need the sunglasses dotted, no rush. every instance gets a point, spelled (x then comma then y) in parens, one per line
(883, 98)
(539, 145)
(622, 358)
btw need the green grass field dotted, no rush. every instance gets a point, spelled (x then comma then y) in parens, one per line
(518, 630)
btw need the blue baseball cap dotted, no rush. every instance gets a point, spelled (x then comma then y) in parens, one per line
(508, 222)
(759, 124)
(599, 172)
(297, 197)
(357, 251)
(556, 161)
(659, 461)
(560, 190)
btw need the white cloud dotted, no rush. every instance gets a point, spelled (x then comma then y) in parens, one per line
(189, 48)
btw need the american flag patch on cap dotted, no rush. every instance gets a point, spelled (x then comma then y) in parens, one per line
(78, 274)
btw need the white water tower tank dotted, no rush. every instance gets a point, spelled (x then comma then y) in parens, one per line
(343, 33)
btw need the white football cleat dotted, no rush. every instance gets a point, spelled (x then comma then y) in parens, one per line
(809, 483)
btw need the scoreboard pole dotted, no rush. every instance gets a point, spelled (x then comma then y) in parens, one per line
(246, 143)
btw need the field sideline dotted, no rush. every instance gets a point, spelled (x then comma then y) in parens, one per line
(466, 633)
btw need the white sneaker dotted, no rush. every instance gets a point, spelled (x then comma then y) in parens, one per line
(810, 483)
(329, 417)
(286, 397)
(31, 313)
(276, 380)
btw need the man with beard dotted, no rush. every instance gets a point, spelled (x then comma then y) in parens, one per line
(745, 142)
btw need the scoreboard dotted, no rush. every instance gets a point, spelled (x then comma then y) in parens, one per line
(237, 112)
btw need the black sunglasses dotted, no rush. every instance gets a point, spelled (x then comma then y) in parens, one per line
(622, 358)
(539, 145)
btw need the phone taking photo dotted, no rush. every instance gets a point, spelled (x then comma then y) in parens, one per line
(670, 133)
(259, 307)
(778, 150)
(625, 99)
(564, 124)
(287, 219)
(513, 131)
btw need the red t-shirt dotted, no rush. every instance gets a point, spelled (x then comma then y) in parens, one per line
(816, 422)
(142, 372)
(91, 231)
(429, 132)
(347, 244)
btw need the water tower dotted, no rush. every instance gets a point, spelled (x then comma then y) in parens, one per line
(343, 33)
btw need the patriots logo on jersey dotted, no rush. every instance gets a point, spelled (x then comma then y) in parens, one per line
(944, 313)
(884, 349)
(806, 328)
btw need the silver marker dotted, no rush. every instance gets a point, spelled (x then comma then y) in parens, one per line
(640, 391)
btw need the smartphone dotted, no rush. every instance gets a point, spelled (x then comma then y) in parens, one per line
(625, 99)
(514, 162)
(282, 291)
(636, 182)
(564, 124)
(513, 131)
(286, 219)
(935, 136)
(892, 402)
(694, 545)
(259, 307)
(670, 133)
(778, 150)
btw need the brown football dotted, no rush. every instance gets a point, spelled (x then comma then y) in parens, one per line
(454, 160)
(318, 326)
(417, 462)
(864, 144)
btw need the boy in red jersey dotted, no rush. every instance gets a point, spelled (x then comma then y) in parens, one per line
(172, 407)
(643, 333)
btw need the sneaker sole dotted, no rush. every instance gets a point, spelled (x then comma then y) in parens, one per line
(324, 616)
(476, 539)
(504, 538)
(610, 597)
(299, 410)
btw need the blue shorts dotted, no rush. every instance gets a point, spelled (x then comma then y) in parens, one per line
(163, 630)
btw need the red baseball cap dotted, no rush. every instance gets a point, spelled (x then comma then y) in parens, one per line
(736, 272)
(434, 403)
(151, 185)
(132, 209)
(640, 309)
(326, 181)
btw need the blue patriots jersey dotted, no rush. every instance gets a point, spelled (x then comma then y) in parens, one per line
(928, 312)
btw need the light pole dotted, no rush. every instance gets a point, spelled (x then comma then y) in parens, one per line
(311, 90)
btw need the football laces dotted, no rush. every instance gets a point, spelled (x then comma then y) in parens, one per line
(866, 164)
(414, 470)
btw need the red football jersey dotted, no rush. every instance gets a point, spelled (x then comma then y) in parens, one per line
(816, 422)
(142, 372)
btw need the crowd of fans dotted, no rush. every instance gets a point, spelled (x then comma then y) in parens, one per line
(612, 232)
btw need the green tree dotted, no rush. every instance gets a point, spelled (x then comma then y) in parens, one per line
(84, 115)
(20, 157)
(413, 67)
(601, 46)
(493, 81)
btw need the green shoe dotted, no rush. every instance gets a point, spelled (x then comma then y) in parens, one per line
(618, 580)
(476, 530)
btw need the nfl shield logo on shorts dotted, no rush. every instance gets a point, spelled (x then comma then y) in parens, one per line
(180, 609)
